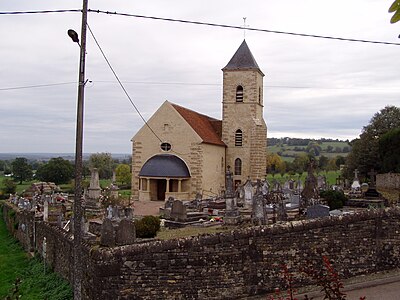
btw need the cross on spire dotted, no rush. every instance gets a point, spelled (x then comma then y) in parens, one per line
(244, 27)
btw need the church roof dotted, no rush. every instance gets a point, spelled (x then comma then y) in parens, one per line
(242, 59)
(209, 129)
(165, 165)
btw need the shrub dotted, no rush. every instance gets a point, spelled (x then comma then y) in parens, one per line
(335, 199)
(147, 227)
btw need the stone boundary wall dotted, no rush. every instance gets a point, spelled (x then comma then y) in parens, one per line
(388, 181)
(229, 265)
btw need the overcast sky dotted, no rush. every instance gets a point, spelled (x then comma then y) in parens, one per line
(312, 87)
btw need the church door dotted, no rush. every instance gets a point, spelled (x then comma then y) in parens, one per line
(161, 188)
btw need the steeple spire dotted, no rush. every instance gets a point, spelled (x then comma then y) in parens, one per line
(242, 59)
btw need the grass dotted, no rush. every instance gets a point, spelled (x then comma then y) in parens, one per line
(330, 177)
(35, 283)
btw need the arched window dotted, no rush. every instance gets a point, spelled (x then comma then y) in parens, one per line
(239, 93)
(238, 138)
(238, 166)
(259, 95)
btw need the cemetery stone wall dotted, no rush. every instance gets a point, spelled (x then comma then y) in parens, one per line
(247, 261)
(20, 223)
(227, 265)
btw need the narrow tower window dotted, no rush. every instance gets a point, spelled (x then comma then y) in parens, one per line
(239, 93)
(238, 138)
(259, 95)
(238, 166)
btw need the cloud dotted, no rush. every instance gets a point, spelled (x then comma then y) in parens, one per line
(313, 87)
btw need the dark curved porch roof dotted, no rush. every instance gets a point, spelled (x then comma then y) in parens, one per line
(165, 165)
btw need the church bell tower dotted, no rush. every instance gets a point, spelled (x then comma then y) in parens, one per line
(243, 128)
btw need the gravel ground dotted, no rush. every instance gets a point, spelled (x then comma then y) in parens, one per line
(145, 208)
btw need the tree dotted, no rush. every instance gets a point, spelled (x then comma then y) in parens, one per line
(57, 170)
(104, 163)
(123, 173)
(300, 163)
(314, 148)
(9, 186)
(323, 162)
(340, 160)
(22, 171)
(364, 154)
(389, 145)
(395, 8)
(331, 166)
(275, 164)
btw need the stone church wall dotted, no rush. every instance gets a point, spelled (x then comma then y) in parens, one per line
(230, 265)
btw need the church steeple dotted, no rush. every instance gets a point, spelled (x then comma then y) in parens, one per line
(243, 126)
(242, 59)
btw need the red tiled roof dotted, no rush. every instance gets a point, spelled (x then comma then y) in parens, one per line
(209, 129)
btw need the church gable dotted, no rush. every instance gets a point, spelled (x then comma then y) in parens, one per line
(168, 125)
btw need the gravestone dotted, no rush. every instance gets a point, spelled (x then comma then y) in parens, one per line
(178, 211)
(128, 213)
(229, 183)
(115, 212)
(372, 192)
(259, 214)
(355, 186)
(107, 237)
(232, 215)
(94, 189)
(126, 233)
(317, 211)
(321, 182)
(46, 211)
(114, 191)
(109, 212)
(248, 194)
(265, 188)
(310, 193)
(282, 215)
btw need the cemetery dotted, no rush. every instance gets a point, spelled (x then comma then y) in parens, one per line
(266, 224)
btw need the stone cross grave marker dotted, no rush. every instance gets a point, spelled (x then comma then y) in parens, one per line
(229, 182)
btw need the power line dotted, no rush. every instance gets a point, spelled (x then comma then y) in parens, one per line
(120, 83)
(202, 23)
(241, 28)
(194, 84)
(34, 86)
(30, 12)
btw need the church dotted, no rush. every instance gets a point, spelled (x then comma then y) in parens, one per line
(181, 153)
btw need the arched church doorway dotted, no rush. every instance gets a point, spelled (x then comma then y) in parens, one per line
(164, 176)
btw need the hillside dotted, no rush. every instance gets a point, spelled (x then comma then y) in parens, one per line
(288, 148)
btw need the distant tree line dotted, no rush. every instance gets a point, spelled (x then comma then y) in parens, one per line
(299, 142)
(61, 171)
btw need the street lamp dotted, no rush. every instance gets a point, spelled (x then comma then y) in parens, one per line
(78, 213)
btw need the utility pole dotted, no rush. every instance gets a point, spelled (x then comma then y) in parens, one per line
(78, 212)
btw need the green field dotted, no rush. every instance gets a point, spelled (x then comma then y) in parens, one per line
(288, 153)
(36, 283)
